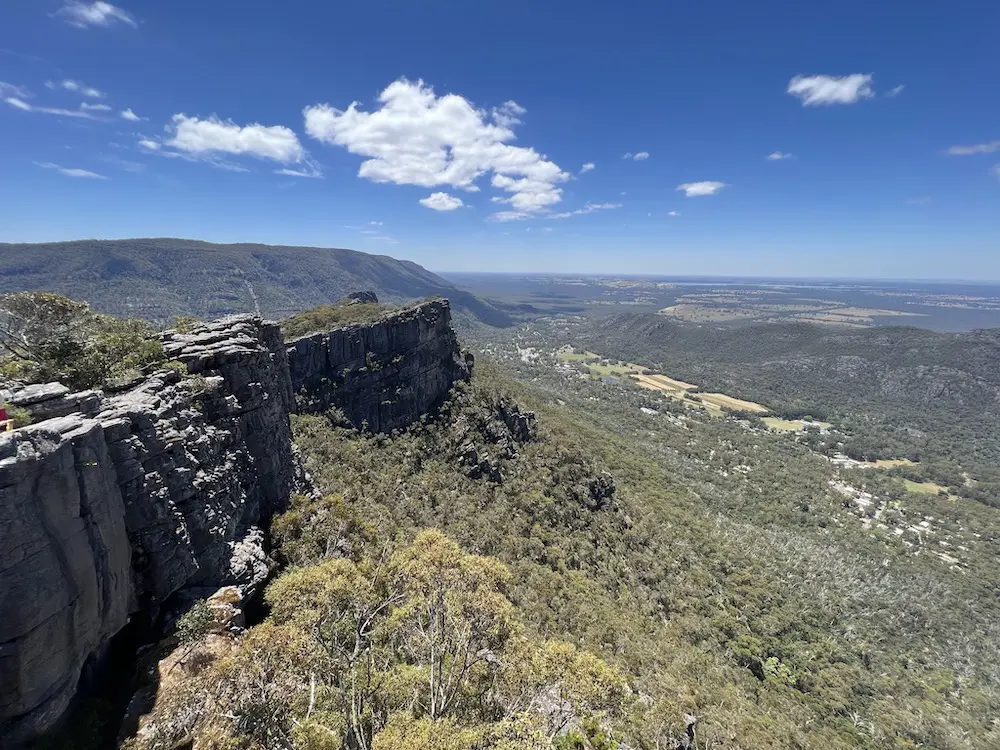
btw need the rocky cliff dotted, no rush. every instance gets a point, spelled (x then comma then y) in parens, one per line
(117, 502)
(381, 375)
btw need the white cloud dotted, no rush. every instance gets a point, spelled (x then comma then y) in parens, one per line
(978, 148)
(94, 107)
(641, 156)
(71, 172)
(896, 90)
(696, 189)
(819, 90)
(416, 137)
(10, 90)
(24, 106)
(375, 223)
(509, 216)
(588, 167)
(199, 137)
(149, 144)
(441, 202)
(312, 172)
(778, 156)
(673, 213)
(589, 208)
(128, 114)
(100, 13)
(76, 87)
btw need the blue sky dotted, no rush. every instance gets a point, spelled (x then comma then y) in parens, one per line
(473, 121)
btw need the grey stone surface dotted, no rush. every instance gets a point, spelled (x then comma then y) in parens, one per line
(31, 394)
(382, 375)
(168, 487)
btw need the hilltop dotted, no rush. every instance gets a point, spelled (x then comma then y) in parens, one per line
(157, 279)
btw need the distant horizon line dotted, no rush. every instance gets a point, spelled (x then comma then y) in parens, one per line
(720, 278)
(712, 278)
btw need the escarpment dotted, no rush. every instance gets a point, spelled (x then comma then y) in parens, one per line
(381, 375)
(115, 503)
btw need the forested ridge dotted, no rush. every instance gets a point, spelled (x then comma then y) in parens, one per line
(716, 607)
(899, 392)
(159, 278)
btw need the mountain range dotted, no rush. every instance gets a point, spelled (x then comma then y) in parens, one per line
(159, 278)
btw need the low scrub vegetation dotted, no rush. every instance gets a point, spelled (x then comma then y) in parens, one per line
(46, 337)
(327, 317)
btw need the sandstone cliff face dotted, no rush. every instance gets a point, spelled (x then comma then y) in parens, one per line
(382, 375)
(121, 501)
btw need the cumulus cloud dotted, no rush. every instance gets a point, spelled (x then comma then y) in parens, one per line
(415, 137)
(128, 114)
(641, 156)
(896, 90)
(441, 202)
(778, 156)
(977, 148)
(206, 139)
(589, 208)
(212, 135)
(100, 13)
(588, 167)
(71, 172)
(696, 189)
(76, 87)
(822, 90)
(673, 213)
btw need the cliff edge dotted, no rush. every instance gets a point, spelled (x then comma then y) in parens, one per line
(114, 503)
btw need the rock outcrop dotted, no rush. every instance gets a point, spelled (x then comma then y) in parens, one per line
(124, 501)
(381, 375)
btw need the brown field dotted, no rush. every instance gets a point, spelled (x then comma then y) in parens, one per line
(738, 404)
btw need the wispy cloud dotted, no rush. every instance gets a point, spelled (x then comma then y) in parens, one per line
(779, 155)
(589, 208)
(76, 87)
(441, 202)
(824, 90)
(68, 172)
(641, 156)
(100, 13)
(697, 189)
(588, 167)
(124, 164)
(18, 103)
(896, 90)
(976, 148)
(673, 213)
(87, 107)
(312, 171)
(128, 114)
